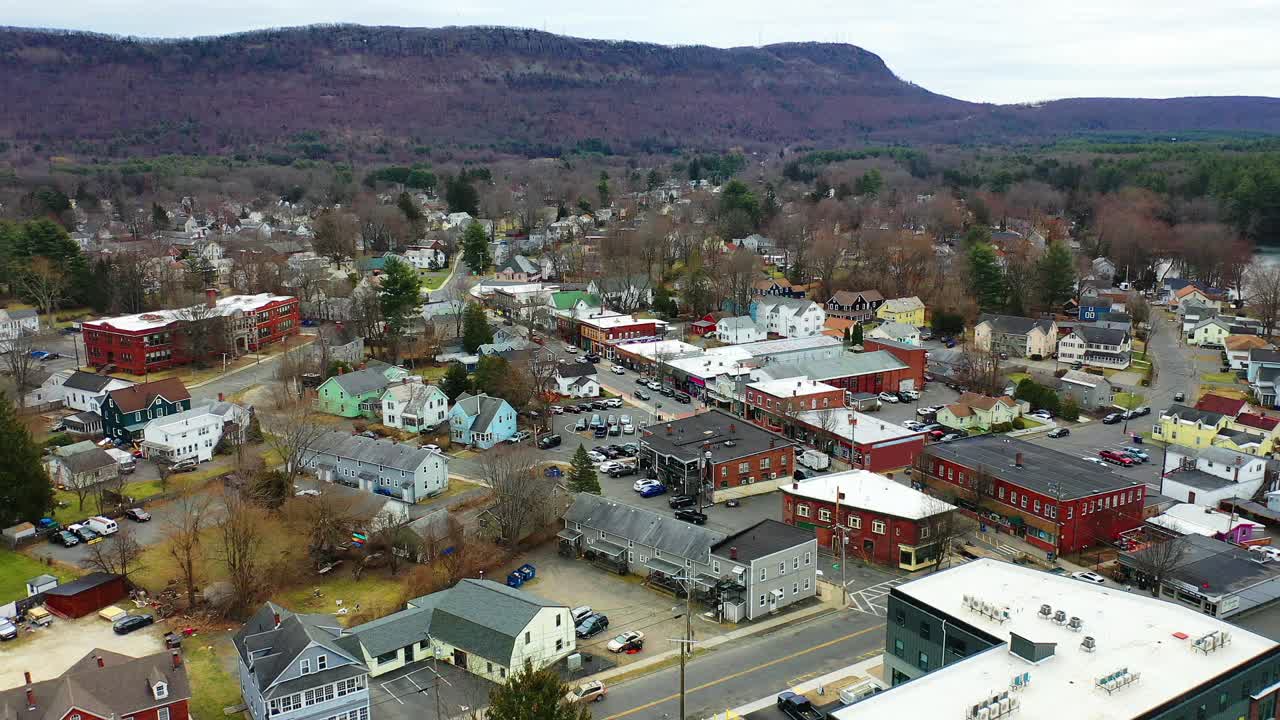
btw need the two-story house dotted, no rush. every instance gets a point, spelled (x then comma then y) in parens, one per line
(105, 685)
(1096, 346)
(296, 667)
(481, 421)
(519, 268)
(126, 411)
(398, 470)
(355, 394)
(907, 310)
(85, 391)
(1189, 427)
(859, 306)
(194, 434)
(1263, 371)
(80, 465)
(1210, 332)
(897, 332)
(774, 564)
(1207, 476)
(789, 317)
(15, 324)
(577, 380)
(1238, 348)
(979, 412)
(738, 329)
(414, 406)
(1014, 336)
(636, 540)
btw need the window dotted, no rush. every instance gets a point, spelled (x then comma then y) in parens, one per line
(824, 515)
(795, 588)
(1001, 491)
(899, 649)
(558, 618)
(924, 630)
(763, 573)
(1024, 502)
(854, 522)
(1013, 497)
(923, 661)
(528, 638)
(322, 662)
(559, 645)
(762, 601)
(806, 583)
(306, 666)
(924, 531)
(715, 566)
(162, 713)
(795, 563)
(802, 510)
(1037, 506)
(877, 527)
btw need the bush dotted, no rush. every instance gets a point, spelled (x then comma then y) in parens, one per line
(1037, 357)
(58, 440)
(1069, 410)
(1001, 427)
(1059, 372)
(359, 426)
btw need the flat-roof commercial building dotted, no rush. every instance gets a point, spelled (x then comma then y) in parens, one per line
(986, 639)
(719, 452)
(1214, 577)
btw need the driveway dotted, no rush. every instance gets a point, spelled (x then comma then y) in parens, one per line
(47, 652)
(414, 692)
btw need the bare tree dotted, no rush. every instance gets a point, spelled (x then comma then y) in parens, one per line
(240, 550)
(203, 329)
(293, 429)
(945, 526)
(980, 371)
(454, 555)
(325, 520)
(1263, 293)
(118, 554)
(19, 364)
(335, 235)
(1156, 562)
(44, 282)
(393, 535)
(185, 524)
(522, 496)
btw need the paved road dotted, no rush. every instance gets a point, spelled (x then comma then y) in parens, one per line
(743, 671)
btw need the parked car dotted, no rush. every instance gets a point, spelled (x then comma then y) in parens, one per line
(1059, 432)
(601, 431)
(556, 409)
(546, 442)
(653, 490)
(593, 691)
(593, 625)
(8, 631)
(1116, 457)
(622, 470)
(1042, 414)
(928, 410)
(519, 437)
(677, 502)
(128, 624)
(137, 515)
(950, 437)
(596, 456)
(627, 641)
(617, 370)
(570, 349)
(691, 516)
(1090, 577)
(1095, 461)
(580, 613)
(592, 358)
(613, 402)
(908, 395)
(666, 391)
(85, 533)
(797, 707)
(1141, 411)
(888, 397)
(643, 483)
(682, 398)
(1112, 419)
(641, 395)
(580, 425)
(1138, 453)
(630, 449)
(1179, 397)
(65, 538)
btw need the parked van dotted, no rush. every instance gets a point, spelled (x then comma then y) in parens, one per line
(814, 460)
(102, 525)
(596, 421)
(125, 460)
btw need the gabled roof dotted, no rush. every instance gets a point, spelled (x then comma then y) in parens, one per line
(138, 397)
(984, 402)
(1100, 336)
(896, 329)
(385, 453)
(481, 408)
(276, 647)
(520, 264)
(738, 322)
(1188, 414)
(88, 461)
(1259, 422)
(1014, 325)
(121, 687)
(89, 382)
(849, 297)
(575, 370)
(1083, 378)
(360, 382)
(1219, 321)
(644, 527)
(906, 304)
(566, 299)
(1221, 404)
(1264, 355)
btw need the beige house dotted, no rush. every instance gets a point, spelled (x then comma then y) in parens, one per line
(979, 412)
(1016, 336)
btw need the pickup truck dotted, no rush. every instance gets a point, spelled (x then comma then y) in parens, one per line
(798, 707)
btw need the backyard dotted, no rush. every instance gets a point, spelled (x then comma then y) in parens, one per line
(68, 509)
(16, 569)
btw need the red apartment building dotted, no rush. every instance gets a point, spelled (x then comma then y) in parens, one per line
(597, 332)
(879, 520)
(105, 685)
(1057, 502)
(152, 341)
(772, 402)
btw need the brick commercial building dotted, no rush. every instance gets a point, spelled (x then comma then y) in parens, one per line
(152, 341)
(880, 520)
(864, 441)
(912, 356)
(598, 332)
(1057, 502)
(776, 402)
(741, 454)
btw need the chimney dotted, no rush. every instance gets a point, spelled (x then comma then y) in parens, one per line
(26, 674)
(853, 420)
(795, 485)
(31, 699)
(770, 443)
(668, 428)
(221, 397)
(211, 297)
(1017, 460)
(733, 552)
(100, 663)
(342, 370)
(177, 659)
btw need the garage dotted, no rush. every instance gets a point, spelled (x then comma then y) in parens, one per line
(86, 595)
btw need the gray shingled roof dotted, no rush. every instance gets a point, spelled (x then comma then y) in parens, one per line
(122, 686)
(1101, 336)
(850, 364)
(1014, 325)
(285, 642)
(88, 461)
(575, 370)
(671, 536)
(361, 381)
(89, 382)
(480, 407)
(520, 264)
(400, 456)
(1190, 414)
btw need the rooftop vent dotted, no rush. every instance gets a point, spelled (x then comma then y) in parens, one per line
(1118, 680)
(1088, 644)
(1046, 612)
(1075, 624)
(1211, 642)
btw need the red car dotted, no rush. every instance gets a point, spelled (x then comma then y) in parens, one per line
(1113, 456)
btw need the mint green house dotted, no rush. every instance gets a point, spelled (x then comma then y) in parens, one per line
(356, 394)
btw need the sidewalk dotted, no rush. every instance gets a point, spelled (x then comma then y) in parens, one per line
(829, 600)
(855, 673)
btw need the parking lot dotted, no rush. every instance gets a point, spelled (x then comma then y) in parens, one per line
(47, 652)
(414, 692)
(1086, 439)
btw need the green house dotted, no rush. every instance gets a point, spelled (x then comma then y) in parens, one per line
(127, 410)
(356, 394)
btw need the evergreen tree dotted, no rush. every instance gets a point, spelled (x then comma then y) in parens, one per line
(582, 476)
(534, 695)
(399, 295)
(159, 218)
(475, 248)
(871, 183)
(855, 336)
(986, 277)
(491, 372)
(24, 484)
(475, 328)
(653, 180)
(455, 381)
(409, 208)
(977, 235)
(461, 196)
(1056, 275)
(602, 188)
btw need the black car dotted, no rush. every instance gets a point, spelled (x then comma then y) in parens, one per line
(682, 398)
(592, 358)
(601, 432)
(666, 391)
(1112, 419)
(691, 516)
(546, 442)
(641, 395)
(127, 625)
(593, 625)
(630, 449)
(799, 475)
(622, 470)
(1179, 397)
(610, 451)
(681, 501)
(1059, 432)
(599, 405)
(64, 538)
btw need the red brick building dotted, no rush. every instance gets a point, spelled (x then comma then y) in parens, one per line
(598, 332)
(912, 356)
(879, 520)
(864, 441)
(1057, 502)
(152, 341)
(105, 685)
(780, 399)
(740, 453)
(874, 372)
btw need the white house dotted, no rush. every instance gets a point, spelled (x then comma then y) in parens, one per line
(789, 317)
(16, 323)
(1096, 346)
(414, 406)
(195, 433)
(1207, 476)
(430, 256)
(83, 391)
(579, 380)
(898, 332)
(50, 390)
(738, 330)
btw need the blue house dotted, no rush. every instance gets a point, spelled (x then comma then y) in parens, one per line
(481, 421)
(1264, 375)
(1091, 306)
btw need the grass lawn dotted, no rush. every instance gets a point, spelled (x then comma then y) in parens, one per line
(139, 490)
(1219, 377)
(457, 486)
(1128, 401)
(433, 373)
(1015, 378)
(213, 687)
(434, 280)
(16, 569)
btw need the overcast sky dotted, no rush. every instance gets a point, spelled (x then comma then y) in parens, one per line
(981, 50)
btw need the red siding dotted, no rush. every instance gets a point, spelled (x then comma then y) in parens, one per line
(86, 602)
(177, 711)
(875, 382)
(864, 542)
(913, 357)
(781, 462)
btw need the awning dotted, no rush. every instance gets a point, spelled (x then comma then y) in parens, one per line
(567, 534)
(664, 566)
(607, 548)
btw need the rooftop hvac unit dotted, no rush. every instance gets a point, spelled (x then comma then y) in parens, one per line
(1088, 644)
(1046, 612)
(1075, 624)
(984, 714)
(1060, 617)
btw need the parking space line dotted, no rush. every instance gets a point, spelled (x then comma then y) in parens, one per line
(386, 690)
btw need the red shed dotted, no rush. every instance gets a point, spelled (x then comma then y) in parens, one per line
(86, 595)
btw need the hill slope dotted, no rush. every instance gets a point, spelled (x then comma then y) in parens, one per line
(340, 89)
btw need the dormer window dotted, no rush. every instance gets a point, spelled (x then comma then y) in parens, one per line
(160, 690)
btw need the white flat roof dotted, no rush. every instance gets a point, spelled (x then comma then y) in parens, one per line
(160, 318)
(612, 321)
(869, 491)
(1132, 631)
(791, 387)
(650, 350)
(863, 429)
(1187, 519)
(707, 365)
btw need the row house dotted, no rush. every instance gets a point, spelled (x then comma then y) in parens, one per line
(1057, 502)
(1096, 346)
(789, 317)
(402, 471)
(859, 306)
(775, 402)
(876, 519)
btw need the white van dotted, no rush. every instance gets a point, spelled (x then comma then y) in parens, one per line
(125, 460)
(814, 460)
(102, 525)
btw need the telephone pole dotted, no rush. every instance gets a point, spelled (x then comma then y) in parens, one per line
(687, 583)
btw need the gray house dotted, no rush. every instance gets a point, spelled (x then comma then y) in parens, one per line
(637, 540)
(398, 470)
(775, 564)
(80, 465)
(1089, 391)
(299, 666)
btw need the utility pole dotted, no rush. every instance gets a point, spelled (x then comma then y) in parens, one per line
(687, 583)
(844, 542)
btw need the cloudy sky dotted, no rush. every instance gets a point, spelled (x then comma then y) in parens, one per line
(981, 50)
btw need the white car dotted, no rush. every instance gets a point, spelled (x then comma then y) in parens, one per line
(595, 457)
(432, 446)
(1096, 461)
(628, 429)
(613, 402)
(927, 410)
(307, 492)
(617, 370)
(1090, 577)
(1042, 414)
(608, 465)
(912, 394)
(643, 483)
(888, 397)
(570, 349)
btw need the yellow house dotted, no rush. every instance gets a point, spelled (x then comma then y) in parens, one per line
(1248, 441)
(1264, 425)
(1189, 427)
(978, 412)
(908, 311)
(1211, 331)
